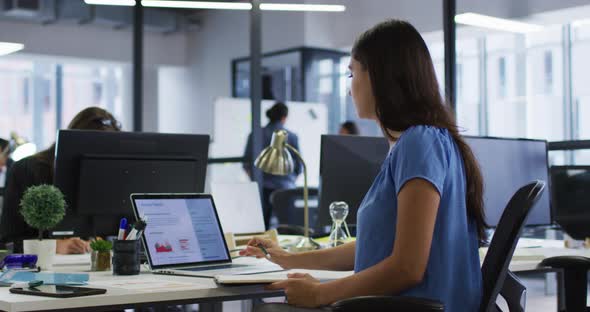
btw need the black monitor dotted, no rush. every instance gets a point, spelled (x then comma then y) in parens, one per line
(348, 166)
(506, 166)
(98, 170)
(570, 191)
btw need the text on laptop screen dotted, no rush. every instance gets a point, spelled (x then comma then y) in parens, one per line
(182, 231)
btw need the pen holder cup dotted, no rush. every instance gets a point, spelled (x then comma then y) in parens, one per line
(126, 257)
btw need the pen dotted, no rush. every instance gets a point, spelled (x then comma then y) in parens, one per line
(138, 236)
(266, 254)
(138, 227)
(122, 227)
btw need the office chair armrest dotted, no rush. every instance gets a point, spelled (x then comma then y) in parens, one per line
(387, 303)
(567, 262)
(514, 292)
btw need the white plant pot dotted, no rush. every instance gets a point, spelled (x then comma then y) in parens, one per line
(44, 249)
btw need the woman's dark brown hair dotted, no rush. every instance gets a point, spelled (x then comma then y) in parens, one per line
(91, 118)
(407, 94)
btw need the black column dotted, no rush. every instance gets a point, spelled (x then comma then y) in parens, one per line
(449, 11)
(256, 83)
(137, 66)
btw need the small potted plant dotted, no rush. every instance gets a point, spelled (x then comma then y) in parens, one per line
(101, 255)
(42, 207)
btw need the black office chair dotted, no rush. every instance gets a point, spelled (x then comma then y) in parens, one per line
(2, 190)
(570, 186)
(497, 280)
(575, 280)
(289, 214)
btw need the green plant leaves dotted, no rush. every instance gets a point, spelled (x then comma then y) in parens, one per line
(101, 245)
(43, 206)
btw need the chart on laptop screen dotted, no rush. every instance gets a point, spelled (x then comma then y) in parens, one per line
(181, 230)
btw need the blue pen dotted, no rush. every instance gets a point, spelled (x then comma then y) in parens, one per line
(122, 228)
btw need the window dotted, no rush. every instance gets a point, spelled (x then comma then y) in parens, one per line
(580, 35)
(548, 70)
(502, 85)
(15, 90)
(29, 89)
(468, 85)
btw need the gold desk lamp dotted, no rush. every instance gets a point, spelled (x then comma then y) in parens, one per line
(276, 159)
(20, 147)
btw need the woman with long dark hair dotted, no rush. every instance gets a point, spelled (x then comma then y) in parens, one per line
(420, 224)
(38, 169)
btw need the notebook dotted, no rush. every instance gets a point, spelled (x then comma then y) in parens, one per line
(267, 278)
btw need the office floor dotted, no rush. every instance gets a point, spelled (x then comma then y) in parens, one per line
(537, 299)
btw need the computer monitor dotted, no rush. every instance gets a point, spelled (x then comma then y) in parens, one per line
(570, 191)
(506, 166)
(98, 170)
(348, 166)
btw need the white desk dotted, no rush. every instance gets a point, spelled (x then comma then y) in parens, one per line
(123, 293)
(130, 291)
(530, 252)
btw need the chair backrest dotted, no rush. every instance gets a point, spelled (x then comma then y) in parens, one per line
(287, 205)
(1, 199)
(497, 260)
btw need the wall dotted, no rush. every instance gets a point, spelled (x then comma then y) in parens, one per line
(91, 42)
(530, 7)
(224, 35)
(174, 99)
(181, 99)
(339, 30)
(75, 43)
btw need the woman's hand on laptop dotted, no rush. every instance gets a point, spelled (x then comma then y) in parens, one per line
(257, 246)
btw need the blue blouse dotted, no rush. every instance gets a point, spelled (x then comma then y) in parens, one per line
(453, 274)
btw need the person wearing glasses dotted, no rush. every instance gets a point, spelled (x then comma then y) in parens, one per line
(36, 170)
(420, 224)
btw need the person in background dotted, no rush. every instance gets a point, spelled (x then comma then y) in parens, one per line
(420, 224)
(38, 169)
(349, 128)
(5, 161)
(277, 115)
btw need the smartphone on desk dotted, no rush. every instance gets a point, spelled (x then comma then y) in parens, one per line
(58, 291)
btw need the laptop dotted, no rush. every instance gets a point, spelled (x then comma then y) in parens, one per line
(184, 236)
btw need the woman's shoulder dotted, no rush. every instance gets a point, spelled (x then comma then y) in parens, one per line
(424, 134)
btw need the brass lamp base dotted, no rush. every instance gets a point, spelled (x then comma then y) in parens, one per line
(305, 244)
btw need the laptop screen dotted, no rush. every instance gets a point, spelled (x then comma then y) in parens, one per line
(181, 231)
